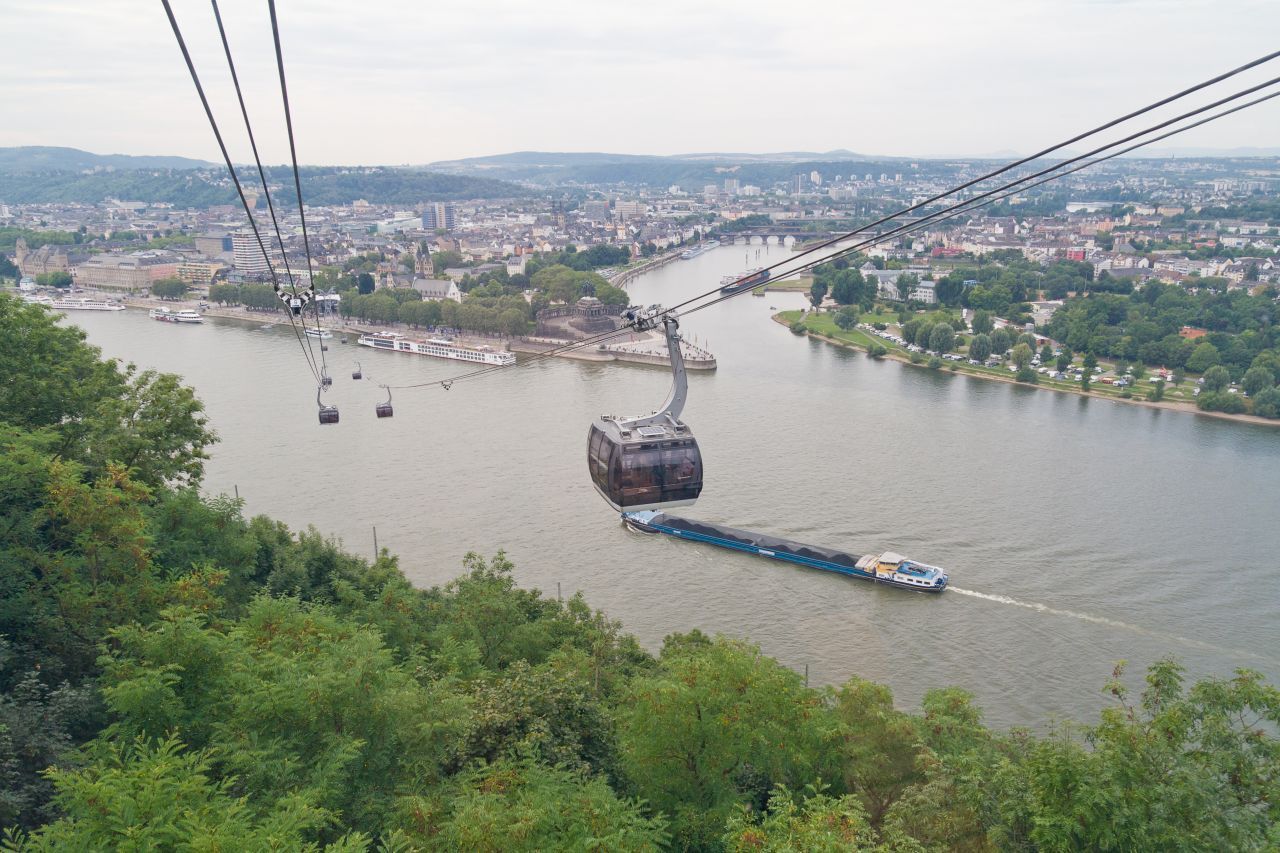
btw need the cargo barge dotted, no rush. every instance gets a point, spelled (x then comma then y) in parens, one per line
(744, 281)
(887, 568)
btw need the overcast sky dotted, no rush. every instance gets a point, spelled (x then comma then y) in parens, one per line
(413, 81)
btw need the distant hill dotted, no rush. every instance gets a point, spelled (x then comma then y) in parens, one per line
(690, 171)
(1216, 153)
(43, 158)
(206, 187)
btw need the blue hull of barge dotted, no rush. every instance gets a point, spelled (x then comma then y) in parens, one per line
(825, 559)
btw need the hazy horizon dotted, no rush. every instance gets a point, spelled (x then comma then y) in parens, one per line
(394, 83)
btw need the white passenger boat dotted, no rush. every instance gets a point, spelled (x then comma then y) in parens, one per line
(166, 315)
(68, 303)
(438, 348)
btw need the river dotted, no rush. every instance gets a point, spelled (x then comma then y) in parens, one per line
(1077, 531)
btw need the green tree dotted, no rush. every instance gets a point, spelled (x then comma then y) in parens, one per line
(224, 294)
(1064, 360)
(817, 292)
(815, 824)
(169, 288)
(58, 279)
(905, 285)
(1046, 354)
(1257, 379)
(38, 727)
(878, 746)
(942, 338)
(1216, 378)
(1203, 357)
(1022, 356)
(716, 726)
(982, 323)
(441, 261)
(1027, 374)
(980, 347)
(160, 797)
(847, 318)
(611, 295)
(877, 350)
(1001, 340)
(365, 283)
(97, 413)
(1266, 404)
(1179, 769)
(527, 806)
(1157, 391)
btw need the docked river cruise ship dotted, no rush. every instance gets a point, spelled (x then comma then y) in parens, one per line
(81, 304)
(438, 348)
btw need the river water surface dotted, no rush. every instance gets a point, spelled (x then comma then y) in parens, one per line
(1077, 532)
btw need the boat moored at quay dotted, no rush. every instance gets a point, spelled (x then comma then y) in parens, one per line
(166, 315)
(887, 568)
(69, 303)
(690, 254)
(438, 348)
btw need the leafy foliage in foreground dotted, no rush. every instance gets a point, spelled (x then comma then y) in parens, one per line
(175, 676)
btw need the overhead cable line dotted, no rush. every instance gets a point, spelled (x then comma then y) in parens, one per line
(235, 179)
(266, 189)
(297, 181)
(949, 212)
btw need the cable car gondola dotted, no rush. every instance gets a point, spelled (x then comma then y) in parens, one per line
(650, 461)
(357, 373)
(384, 410)
(328, 414)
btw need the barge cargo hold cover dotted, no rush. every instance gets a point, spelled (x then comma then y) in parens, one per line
(887, 568)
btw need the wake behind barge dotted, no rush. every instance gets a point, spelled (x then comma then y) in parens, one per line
(887, 568)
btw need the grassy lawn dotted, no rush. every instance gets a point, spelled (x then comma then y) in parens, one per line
(825, 324)
(791, 285)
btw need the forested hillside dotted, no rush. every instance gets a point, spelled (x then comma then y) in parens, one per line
(206, 187)
(175, 676)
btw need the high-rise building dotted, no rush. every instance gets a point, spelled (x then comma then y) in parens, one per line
(815, 178)
(440, 214)
(596, 211)
(629, 209)
(248, 255)
(731, 186)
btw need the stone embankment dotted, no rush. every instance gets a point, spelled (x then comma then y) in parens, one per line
(647, 349)
(624, 277)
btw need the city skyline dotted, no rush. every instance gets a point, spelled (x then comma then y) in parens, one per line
(393, 85)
